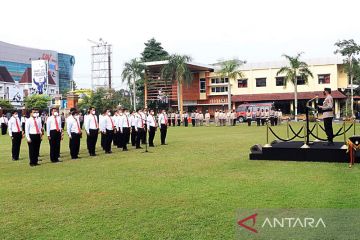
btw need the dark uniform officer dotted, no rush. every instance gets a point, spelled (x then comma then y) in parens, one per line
(16, 135)
(54, 134)
(328, 115)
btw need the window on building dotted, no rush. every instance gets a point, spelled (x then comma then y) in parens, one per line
(242, 83)
(219, 80)
(280, 81)
(219, 89)
(300, 80)
(260, 82)
(52, 91)
(1, 88)
(202, 85)
(324, 78)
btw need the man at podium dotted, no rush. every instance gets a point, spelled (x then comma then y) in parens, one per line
(328, 115)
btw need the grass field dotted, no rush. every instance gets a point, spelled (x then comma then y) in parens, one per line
(189, 189)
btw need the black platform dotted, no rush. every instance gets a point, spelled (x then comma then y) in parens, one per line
(292, 151)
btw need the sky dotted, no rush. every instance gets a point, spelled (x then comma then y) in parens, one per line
(207, 30)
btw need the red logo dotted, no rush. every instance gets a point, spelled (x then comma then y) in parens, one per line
(242, 223)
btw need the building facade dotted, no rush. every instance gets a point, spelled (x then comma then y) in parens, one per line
(260, 84)
(17, 61)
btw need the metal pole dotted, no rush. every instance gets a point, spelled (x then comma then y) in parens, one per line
(354, 126)
(305, 137)
(267, 135)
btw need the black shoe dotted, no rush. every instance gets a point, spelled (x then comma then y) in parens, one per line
(108, 152)
(125, 150)
(151, 145)
(15, 159)
(138, 147)
(164, 144)
(74, 158)
(93, 155)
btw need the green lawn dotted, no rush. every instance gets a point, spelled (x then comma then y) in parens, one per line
(189, 189)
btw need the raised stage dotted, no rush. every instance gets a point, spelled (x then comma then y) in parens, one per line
(292, 151)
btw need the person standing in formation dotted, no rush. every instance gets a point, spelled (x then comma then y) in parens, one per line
(81, 120)
(124, 123)
(108, 129)
(33, 136)
(201, 118)
(163, 120)
(74, 133)
(133, 129)
(216, 118)
(193, 120)
(258, 117)
(117, 135)
(207, 118)
(249, 117)
(263, 117)
(267, 115)
(221, 118)
(4, 124)
(92, 131)
(101, 123)
(272, 117)
(228, 118)
(54, 134)
(328, 115)
(15, 134)
(143, 114)
(23, 120)
(139, 128)
(178, 118)
(172, 115)
(197, 118)
(185, 117)
(233, 117)
(279, 114)
(152, 128)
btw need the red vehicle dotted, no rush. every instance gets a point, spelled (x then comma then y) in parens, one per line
(243, 108)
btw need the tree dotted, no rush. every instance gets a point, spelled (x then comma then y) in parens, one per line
(230, 69)
(153, 51)
(177, 70)
(5, 104)
(39, 101)
(297, 69)
(132, 72)
(349, 49)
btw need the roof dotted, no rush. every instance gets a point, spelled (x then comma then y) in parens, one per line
(5, 75)
(26, 77)
(283, 96)
(195, 67)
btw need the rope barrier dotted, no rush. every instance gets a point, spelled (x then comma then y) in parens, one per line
(321, 139)
(285, 140)
(297, 135)
(337, 134)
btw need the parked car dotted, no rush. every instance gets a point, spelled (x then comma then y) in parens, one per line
(243, 108)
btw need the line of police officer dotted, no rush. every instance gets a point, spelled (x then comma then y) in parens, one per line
(115, 130)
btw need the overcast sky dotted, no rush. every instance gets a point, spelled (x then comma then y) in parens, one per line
(207, 30)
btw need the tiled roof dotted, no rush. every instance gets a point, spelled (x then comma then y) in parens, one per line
(283, 96)
(5, 75)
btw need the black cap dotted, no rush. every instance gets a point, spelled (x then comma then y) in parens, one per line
(327, 90)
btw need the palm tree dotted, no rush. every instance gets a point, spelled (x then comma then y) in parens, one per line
(177, 70)
(297, 69)
(133, 71)
(229, 70)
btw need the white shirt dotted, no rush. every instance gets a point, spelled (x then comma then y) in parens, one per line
(13, 127)
(124, 122)
(151, 121)
(72, 125)
(107, 123)
(116, 119)
(162, 119)
(91, 122)
(207, 115)
(328, 105)
(132, 120)
(4, 120)
(139, 123)
(51, 125)
(143, 117)
(23, 119)
(30, 127)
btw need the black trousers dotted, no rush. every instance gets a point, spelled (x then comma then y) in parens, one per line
(143, 138)
(108, 140)
(248, 121)
(133, 136)
(3, 128)
(91, 140)
(125, 137)
(139, 136)
(16, 143)
(151, 135)
(34, 148)
(193, 122)
(74, 145)
(275, 121)
(178, 122)
(23, 127)
(118, 139)
(62, 125)
(173, 122)
(328, 128)
(234, 122)
(163, 131)
(55, 143)
(186, 122)
(258, 121)
(263, 120)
